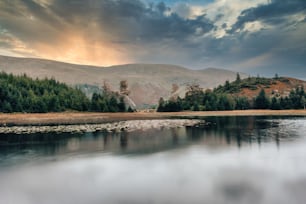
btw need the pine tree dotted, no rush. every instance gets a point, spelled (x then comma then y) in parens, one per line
(121, 105)
(275, 104)
(161, 105)
(261, 101)
(238, 79)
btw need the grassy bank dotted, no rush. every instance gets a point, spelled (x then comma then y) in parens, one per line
(92, 118)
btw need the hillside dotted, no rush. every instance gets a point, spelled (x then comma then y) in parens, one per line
(147, 82)
(242, 94)
(250, 87)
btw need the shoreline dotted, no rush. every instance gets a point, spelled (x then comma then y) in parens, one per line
(79, 118)
(121, 126)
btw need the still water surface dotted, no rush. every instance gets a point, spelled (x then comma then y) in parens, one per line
(233, 160)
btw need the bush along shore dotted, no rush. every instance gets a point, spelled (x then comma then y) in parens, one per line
(128, 126)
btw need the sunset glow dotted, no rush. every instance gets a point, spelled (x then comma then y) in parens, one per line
(236, 34)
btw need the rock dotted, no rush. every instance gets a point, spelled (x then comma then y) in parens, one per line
(121, 126)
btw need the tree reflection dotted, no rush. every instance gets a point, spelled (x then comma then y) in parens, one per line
(124, 140)
(220, 133)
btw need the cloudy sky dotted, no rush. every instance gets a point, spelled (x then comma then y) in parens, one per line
(253, 36)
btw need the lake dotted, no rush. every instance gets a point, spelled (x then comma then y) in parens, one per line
(231, 160)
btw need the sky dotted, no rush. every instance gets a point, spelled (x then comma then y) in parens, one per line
(253, 36)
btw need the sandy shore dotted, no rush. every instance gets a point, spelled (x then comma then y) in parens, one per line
(97, 118)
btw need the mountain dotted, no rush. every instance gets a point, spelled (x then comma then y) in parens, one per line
(147, 82)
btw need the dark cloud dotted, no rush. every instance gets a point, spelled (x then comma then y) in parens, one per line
(272, 13)
(157, 32)
(98, 21)
(174, 27)
(40, 12)
(29, 21)
(132, 19)
(275, 49)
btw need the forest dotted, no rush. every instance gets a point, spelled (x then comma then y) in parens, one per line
(24, 94)
(225, 97)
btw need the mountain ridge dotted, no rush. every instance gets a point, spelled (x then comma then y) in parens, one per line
(147, 82)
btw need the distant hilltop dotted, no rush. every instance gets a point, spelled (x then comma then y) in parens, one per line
(146, 82)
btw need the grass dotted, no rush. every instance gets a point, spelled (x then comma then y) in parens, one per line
(92, 118)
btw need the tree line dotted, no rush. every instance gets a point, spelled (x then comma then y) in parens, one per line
(224, 98)
(24, 94)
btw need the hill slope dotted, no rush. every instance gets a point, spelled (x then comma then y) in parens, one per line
(147, 82)
(251, 93)
(250, 87)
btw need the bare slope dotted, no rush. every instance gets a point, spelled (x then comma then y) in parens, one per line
(147, 82)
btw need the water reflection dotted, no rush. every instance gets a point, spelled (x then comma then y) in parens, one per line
(220, 163)
(221, 132)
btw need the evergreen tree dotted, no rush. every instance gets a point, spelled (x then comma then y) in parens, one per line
(242, 103)
(303, 101)
(121, 105)
(227, 85)
(238, 79)
(195, 107)
(161, 105)
(261, 101)
(275, 104)
(113, 105)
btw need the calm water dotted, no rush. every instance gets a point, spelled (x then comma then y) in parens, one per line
(233, 160)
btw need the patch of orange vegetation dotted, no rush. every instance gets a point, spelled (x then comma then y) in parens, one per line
(277, 88)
